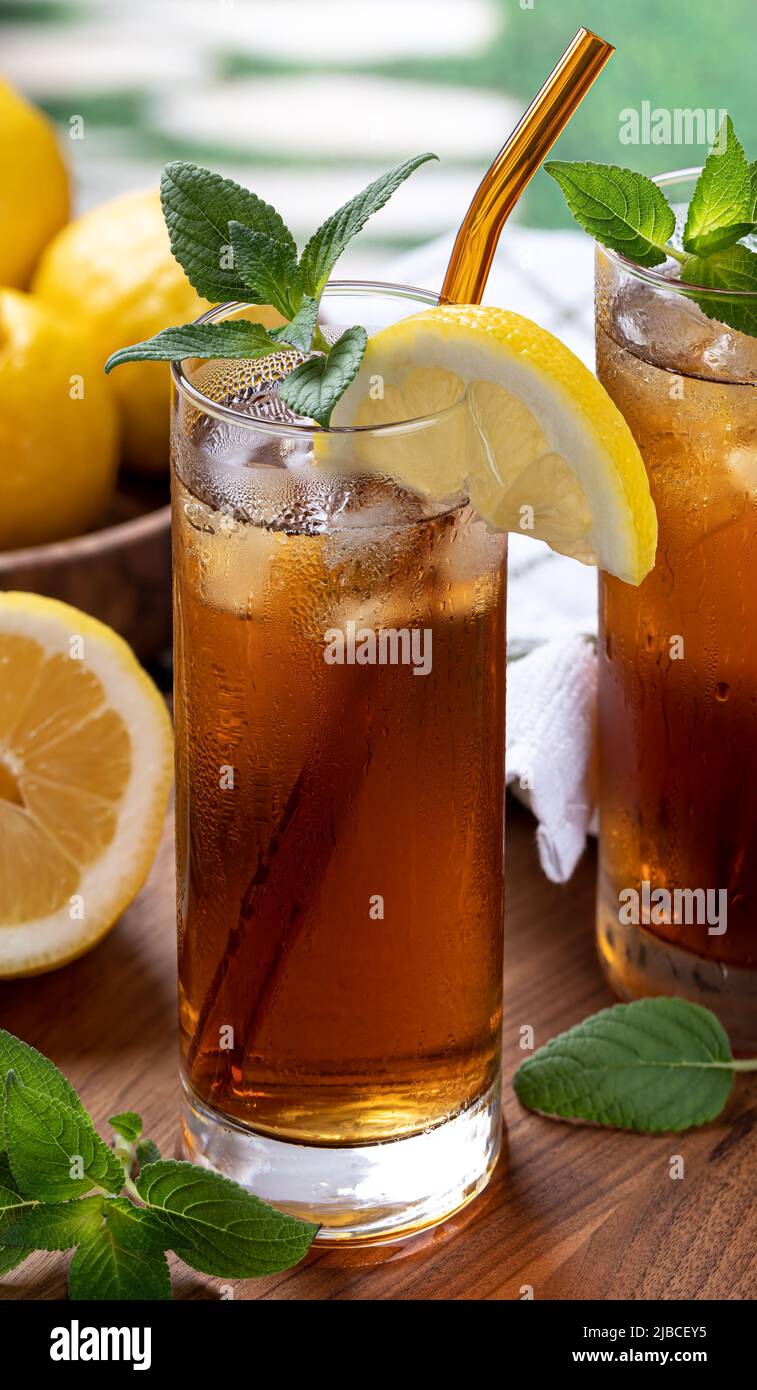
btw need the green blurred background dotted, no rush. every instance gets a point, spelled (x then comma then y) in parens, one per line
(304, 98)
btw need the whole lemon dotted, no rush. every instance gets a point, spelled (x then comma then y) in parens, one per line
(112, 271)
(58, 427)
(34, 193)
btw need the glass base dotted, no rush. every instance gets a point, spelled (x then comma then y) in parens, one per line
(371, 1192)
(636, 963)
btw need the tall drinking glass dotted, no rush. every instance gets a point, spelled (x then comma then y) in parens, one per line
(677, 909)
(340, 669)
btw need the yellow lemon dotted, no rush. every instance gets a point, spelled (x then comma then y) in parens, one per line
(85, 770)
(112, 271)
(539, 445)
(58, 428)
(34, 192)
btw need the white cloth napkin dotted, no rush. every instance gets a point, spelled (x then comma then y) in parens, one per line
(551, 698)
(552, 664)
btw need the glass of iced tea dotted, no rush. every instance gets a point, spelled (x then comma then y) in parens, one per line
(340, 670)
(677, 905)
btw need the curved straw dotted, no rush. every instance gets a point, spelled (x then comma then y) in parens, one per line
(521, 155)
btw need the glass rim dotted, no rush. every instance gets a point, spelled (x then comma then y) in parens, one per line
(383, 289)
(652, 276)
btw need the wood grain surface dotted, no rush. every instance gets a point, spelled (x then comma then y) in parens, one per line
(571, 1212)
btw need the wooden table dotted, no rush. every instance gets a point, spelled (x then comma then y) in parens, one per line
(571, 1212)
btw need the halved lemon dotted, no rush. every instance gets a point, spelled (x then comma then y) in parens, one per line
(85, 770)
(537, 442)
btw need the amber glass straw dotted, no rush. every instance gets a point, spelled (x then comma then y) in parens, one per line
(521, 155)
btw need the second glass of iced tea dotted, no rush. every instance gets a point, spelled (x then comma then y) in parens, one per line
(340, 669)
(677, 911)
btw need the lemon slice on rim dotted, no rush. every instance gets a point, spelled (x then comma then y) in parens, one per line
(85, 770)
(538, 444)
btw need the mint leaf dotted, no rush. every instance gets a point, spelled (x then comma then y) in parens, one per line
(238, 338)
(299, 333)
(753, 192)
(314, 387)
(147, 1151)
(621, 209)
(268, 268)
(128, 1124)
(47, 1142)
(655, 1065)
(57, 1225)
(12, 1207)
(732, 269)
(198, 207)
(219, 1228)
(120, 1259)
(720, 211)
(34, 1070)
(327, 244)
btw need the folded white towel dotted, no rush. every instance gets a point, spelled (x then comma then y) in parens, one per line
(550, 739)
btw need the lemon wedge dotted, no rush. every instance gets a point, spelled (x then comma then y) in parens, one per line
(85, 770)
(523, 427)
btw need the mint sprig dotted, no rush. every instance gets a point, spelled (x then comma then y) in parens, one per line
(656, 1065)
(629, 213)
(234, 246)
(121, 1209)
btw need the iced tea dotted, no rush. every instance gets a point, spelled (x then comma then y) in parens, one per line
(339, 814)
(678, 662)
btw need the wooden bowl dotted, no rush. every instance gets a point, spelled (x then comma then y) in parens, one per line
(120, 573)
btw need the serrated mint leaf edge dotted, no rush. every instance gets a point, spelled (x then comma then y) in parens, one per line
(29, 1230)
(205, 272)
(86, 1276)
(327, 243)
(34, 1070)
(193, 1239)
(25, 1095)
(583, 1034)
(128, 1124)
(730, 304)
(695, 243)
(268, 269)
(206, 340)
(564, 173)
(298, 333)
(313, 389)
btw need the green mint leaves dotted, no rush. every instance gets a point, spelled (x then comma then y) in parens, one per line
(54, 1151)
(656, 1065)
(732, 269)
(720, 212)
(235, 339)
(216, 1226)
(314, 387)
(326, 246)
(62, 1187)
(233, 246)
(623, 210)
(628, 213)
(198, 207)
